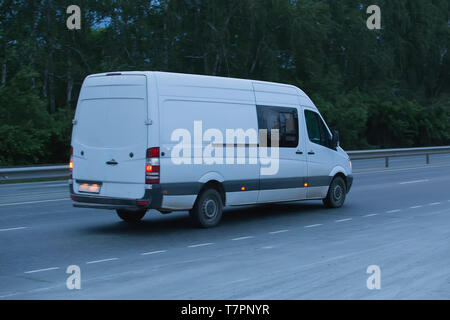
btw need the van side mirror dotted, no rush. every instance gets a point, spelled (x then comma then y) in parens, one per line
(335, 139)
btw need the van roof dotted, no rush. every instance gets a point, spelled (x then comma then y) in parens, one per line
(206, 80)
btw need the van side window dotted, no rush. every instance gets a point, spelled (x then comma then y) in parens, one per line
(283, 119)
(317, 130)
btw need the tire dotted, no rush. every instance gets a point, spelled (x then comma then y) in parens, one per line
(131, 216)
(336, 193)
(207, 210)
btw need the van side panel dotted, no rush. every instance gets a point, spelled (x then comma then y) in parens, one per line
(199, 115)
(288, 182)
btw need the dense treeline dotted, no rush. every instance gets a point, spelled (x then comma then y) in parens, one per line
(379, 88)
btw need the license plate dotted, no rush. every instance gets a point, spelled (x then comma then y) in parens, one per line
(89, 187)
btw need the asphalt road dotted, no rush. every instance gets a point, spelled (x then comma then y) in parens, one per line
(396, 218)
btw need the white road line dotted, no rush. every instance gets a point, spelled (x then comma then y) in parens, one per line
(153, 252)
(31, 202)
(11, 229)
(370, 215)
(415, 207)
(41, 270)
(313, 225)
(242, 238)
(36, 195)
(278, 231)
(9, 295)
(393, 211)
(268, 247)
(434, 203)
(54, 185)
(200, 245)
(343, 220)
(239, 280)
(103, 260)
(414, 181)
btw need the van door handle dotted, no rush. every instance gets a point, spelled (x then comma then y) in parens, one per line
(112, 162)
(299, 152)
(311, 152)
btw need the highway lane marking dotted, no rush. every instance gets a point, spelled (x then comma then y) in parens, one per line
(414, 181)
(103, 260)
(206, 244)
(43, 186)
(160, 251)
(370, 215)
(144, 272)
(242, 238)
(31, 202)
(33, 193)
(31, 291)
(10, 295)
(236, 281)
(278, 231)
(200, 245)
(34, 184)
(434, 203)
(313, 225)
(41, 270)
(11, 229)
(55, 185)
(153, 252)
(343, 220)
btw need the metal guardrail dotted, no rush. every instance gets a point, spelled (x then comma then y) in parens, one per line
(392, 153)
(35, 172)
(61, 171)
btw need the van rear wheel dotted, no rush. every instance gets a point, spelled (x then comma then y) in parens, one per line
(207, 210)
(131, 216)
(336, 193)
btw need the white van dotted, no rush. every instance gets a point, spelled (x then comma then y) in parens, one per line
(168, 141)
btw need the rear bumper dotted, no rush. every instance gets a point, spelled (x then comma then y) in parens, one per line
(152, 200)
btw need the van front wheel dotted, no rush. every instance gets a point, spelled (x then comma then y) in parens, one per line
(336, 193)
(131, 216)
(207, 210)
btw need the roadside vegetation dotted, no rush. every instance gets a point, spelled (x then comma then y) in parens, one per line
(379, 88)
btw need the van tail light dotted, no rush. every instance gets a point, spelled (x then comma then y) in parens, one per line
(152, 166)
(71, 162)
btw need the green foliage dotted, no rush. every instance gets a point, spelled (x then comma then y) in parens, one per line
(349, 114)
(23, 122)
(379, 88)
(29, 134)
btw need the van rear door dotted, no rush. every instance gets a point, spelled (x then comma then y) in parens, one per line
(109, 137)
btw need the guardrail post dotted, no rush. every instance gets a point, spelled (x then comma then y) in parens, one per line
(428, 158)
(386, 162)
